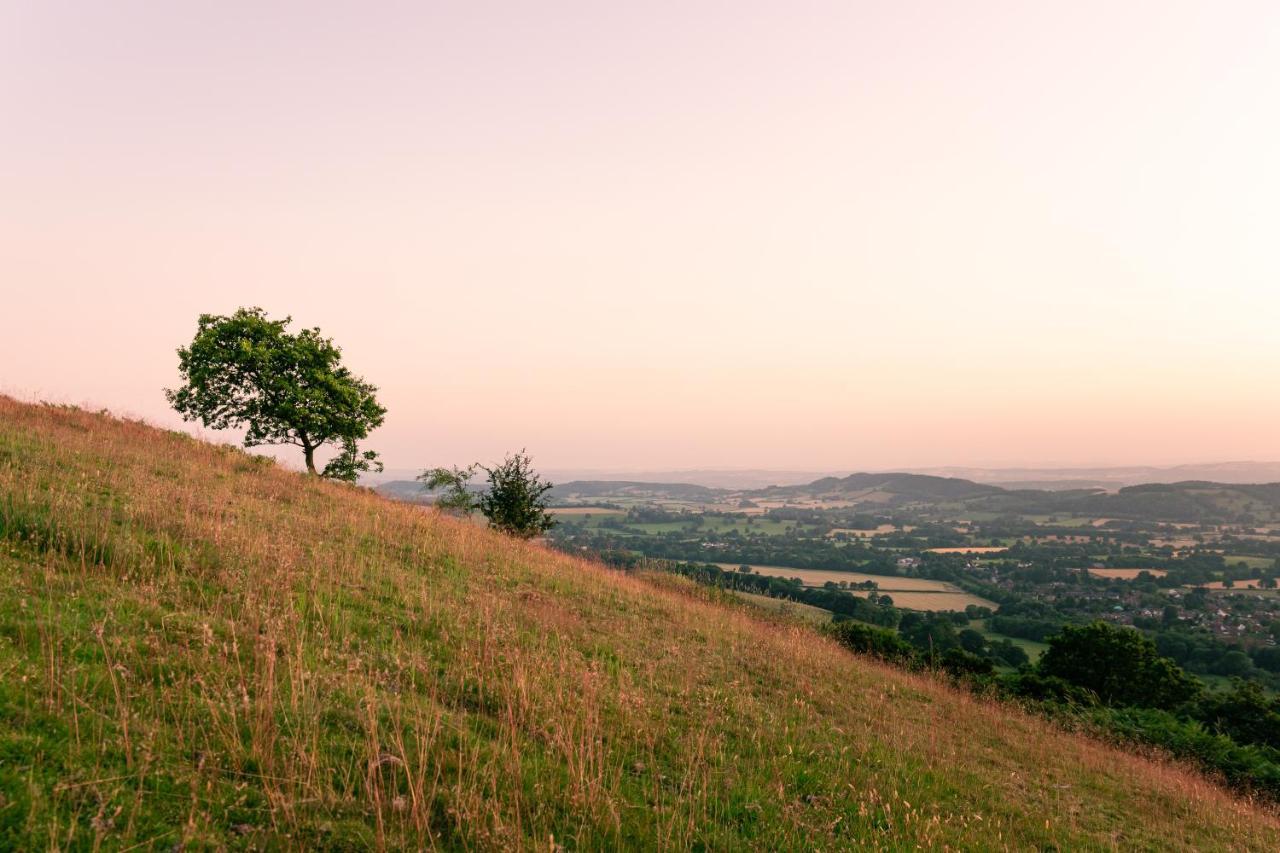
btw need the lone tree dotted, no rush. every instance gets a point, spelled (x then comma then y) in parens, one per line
(454, 486)
(515, 501)
(247, 371)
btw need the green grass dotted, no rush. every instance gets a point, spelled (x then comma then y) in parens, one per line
(202, 651)
(1250, 562)
(1033, 649)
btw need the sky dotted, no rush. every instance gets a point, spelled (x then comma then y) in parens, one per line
(829, 235)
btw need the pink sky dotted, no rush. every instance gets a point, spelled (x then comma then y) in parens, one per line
(820, 235)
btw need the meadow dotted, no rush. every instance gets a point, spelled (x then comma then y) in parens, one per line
(201, 650)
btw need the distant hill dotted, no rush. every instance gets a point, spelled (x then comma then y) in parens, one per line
(1114, 477)
(909, 487)
(404, 490)
(586, 490)
(1191, 501)
(202, 650)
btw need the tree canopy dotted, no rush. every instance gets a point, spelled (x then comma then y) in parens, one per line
(1119, 665)
(247, 371)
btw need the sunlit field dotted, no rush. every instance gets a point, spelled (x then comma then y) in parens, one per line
(1126, 574)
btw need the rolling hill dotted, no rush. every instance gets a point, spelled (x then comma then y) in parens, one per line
(898, 487)
(1190, 501)
(201, 649)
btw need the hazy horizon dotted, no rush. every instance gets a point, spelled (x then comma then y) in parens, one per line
(817, 236)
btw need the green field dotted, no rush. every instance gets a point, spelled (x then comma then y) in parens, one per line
(1033, 649)
(1250, 562)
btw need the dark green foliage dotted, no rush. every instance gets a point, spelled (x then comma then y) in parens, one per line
(1268, 658)
(1119, 665)
(972, 641)
(869, 640)
(1037, 687)
(1026, 628)
(963, 664)
(1249, 767)
(888, 646)
(516, 501)
(1008, 653)
(1246, 714)
(247, 371)
(351, 462)
(931, 633)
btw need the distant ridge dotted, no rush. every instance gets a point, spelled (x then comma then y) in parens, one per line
(912, 486)
(1113, 477)
(1048, 478)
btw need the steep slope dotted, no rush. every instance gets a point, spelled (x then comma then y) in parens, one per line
(199, 648)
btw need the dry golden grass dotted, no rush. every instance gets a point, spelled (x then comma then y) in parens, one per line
(1126, 574)
(1246, 583)
(585, 510)
(201, 649)
(817, 577)
(937, 601)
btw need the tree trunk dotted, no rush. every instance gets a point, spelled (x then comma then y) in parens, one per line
(310, 453)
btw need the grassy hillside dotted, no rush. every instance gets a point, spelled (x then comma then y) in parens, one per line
(198, 647)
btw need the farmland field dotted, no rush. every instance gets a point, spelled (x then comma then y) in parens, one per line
(1126, 574)
(817, 577)
(1251, 583)
(968, 549)
(865, 534)
(937, 600)
(1068, 521)
(911, 593)
(1251, 562)
(584, 510)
